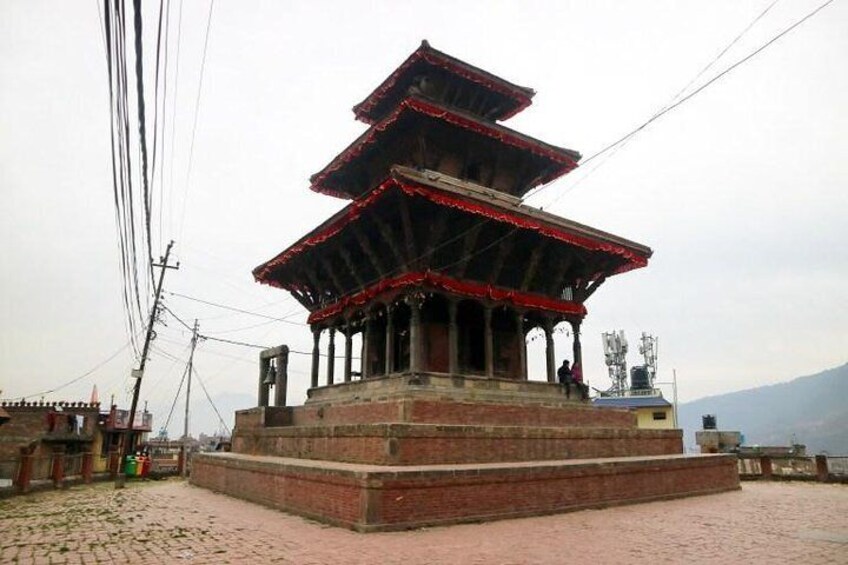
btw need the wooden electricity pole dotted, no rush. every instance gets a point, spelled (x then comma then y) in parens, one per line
(139, 373)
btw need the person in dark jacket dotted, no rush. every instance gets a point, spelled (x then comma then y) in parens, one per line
(564, 376)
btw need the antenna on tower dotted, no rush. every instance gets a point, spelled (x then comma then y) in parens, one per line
(615, 354)
(648, 349)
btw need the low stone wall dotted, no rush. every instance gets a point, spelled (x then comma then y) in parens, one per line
(373, 498)
(822, 468)
(423, 444)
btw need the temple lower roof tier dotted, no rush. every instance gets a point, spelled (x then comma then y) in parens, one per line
(426, 229)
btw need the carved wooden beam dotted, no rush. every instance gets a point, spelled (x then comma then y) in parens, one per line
(504, 250)
(304, 299)
(592, 287)
(523, 175)
(533, 266)
(390, 241)
(367, 249)
(408, 234)
(351, 266)
(331, 273)
(494, 160)
(555, 288)
(468, 246)
(437, 232)
(318, 293)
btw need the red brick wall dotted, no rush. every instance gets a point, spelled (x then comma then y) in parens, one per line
(28, 424)
(376, 499)
(323, 495)
(415, 444)
(539, 490)
(458, 413)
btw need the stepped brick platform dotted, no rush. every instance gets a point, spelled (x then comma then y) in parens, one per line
(377, 498)
(412, 457)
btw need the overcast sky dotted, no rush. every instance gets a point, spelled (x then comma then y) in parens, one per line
(740, 192)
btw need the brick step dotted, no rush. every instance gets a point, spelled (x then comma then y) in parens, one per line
(419, 444)
(377, 498)
(438, 411)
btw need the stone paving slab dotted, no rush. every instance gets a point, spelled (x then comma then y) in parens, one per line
(173, 522)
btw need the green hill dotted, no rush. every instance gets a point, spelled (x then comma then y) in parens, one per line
(812, 410)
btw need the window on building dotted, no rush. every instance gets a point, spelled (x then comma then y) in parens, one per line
(659, 415)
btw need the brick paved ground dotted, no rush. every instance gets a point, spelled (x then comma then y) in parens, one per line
(172, 522)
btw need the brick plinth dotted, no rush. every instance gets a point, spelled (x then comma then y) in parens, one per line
(426, 444)
(374, 498)
(447, 412)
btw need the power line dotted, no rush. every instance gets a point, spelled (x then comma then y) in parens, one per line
(209, 398)
(79, 378)
(176, 396)
(234, 309)
(196, 113)
(708, 66)
(698, 90)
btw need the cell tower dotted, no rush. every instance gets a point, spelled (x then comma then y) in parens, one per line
(615, 352)
(648, 349)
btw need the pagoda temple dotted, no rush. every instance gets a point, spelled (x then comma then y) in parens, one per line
(442, 271)
(436, 261)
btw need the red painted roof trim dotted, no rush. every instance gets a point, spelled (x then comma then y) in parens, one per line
(500, 133)
(633, 259)
(462, 287)
(521, 96)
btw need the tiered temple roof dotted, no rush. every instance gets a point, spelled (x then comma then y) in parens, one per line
(436, 211)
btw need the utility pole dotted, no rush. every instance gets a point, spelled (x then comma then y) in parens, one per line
(185, 447)
(139, 373)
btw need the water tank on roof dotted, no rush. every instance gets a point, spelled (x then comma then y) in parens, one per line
(639, 379)
(709, 421)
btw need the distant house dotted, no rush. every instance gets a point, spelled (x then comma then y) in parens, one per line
(652, 412)
(45, 429)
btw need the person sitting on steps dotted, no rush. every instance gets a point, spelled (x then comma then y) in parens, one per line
(565, 376)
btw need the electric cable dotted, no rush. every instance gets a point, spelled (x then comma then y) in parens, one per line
(79, 378)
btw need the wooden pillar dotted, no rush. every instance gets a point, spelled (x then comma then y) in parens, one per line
(453, 339)
(57, 472)
(390, 341)
(316, 355)
(114, 463)
(331, 357)
(765, 467)
(522, 346)
(348, 361)
(488, 341)
(550, 354)
(366, 348)
(822, 472)
(24, 475)
(262, 396)
(415, 335)
(87, 467)
(577, 349)
(281, 381)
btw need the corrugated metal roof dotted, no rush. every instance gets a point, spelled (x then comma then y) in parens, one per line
(632, 401)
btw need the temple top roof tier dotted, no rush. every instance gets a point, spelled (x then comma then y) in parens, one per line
(440, 77)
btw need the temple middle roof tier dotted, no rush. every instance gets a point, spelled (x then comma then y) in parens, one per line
(442, 77)
(423, 134)
(427, 223)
